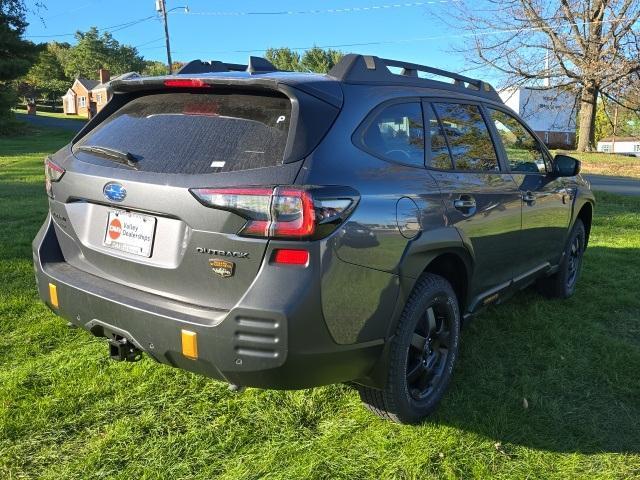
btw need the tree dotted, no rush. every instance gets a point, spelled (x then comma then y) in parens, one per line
(614, 119)
(94, 51)
(593, 45)
(284, 59)
(319, 60)
(46, 78)
(16, 54)
(315, 59)
(153, 68)
(47, 66)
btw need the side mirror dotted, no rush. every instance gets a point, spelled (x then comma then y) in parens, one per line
(565, 166)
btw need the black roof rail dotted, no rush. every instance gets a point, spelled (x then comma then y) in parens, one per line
(355, 68)
(255, 65)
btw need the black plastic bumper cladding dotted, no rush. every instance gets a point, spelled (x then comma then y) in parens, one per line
(311, 117)
(270, 341)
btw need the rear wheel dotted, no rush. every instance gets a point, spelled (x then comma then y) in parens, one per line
(563, 283)
(422, 355)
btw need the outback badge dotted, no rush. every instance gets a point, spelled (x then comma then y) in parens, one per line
(223, 268)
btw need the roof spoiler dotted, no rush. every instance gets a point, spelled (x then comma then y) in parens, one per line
(255, 65)
(363, 69)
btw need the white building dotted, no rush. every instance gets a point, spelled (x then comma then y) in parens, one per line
(620, 145)
(550, 113)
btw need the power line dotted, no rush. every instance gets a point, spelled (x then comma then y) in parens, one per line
(149, 42)
(417, 39)
(111, 28)
(326, 10)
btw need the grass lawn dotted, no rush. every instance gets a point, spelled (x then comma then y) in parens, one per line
(52, 115)
(608, 164)
(66, 411)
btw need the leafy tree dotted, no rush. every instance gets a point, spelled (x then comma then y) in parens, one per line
(16, 54)
(47, 67)
(315, 59)
(153, 68)
(619, 119)
(94, 51)
(46, 78)
(284, 59)
(320, 60)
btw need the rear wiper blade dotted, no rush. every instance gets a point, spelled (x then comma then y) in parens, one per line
(122, 157)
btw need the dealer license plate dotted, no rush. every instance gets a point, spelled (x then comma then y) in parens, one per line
(130, 232)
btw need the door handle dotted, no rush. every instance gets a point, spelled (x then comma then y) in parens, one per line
(466, 204)
(529, 197)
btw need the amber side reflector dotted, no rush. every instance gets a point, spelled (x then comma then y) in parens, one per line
(190, 344)
(53, 295)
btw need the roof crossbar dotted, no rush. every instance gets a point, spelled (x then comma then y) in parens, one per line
(354, 68)
(255, 65)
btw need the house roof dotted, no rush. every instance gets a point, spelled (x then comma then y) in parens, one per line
(86, 83)
(620, 139)
(124, 76)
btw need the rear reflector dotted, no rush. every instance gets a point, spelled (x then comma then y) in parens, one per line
(53, 295)
(291, 257)
(186, 83)
(190, 344)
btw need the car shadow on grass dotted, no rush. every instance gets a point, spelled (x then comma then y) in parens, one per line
(557, 375)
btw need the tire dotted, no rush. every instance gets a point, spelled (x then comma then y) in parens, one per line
(562, 284)
(422, 354)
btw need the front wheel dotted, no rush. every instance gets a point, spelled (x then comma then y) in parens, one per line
(563, 283)
(423, 353)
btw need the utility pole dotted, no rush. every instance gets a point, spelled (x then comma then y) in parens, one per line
(161, 7)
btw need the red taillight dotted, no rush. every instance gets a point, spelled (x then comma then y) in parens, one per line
(292, 213)
(291, 257)
(52, 173)
(186, 83)
(280, 212)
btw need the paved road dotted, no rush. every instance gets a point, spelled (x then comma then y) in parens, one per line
(620, 185)
(66, 124)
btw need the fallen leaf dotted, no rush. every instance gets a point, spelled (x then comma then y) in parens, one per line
(525, 403)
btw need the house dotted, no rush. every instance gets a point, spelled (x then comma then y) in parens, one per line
(628, 145)
(549, 112)
(87, 97)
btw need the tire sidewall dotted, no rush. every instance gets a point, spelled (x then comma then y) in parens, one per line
(407, 407)
(577, 231)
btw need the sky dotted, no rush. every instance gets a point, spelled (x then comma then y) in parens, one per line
(232, 30)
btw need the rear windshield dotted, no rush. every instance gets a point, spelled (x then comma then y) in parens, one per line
(194, 132)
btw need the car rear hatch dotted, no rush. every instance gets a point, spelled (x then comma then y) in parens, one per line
(125, 208)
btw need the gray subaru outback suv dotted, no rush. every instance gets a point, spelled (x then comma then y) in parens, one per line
(287, 230)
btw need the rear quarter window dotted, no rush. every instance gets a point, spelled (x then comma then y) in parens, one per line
(397, 133)
(196, 133)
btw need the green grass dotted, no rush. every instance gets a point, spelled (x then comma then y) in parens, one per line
(68, 412)
(52, 115)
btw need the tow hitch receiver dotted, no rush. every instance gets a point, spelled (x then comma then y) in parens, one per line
(122, 350)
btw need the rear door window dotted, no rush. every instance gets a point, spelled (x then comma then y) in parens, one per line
(468, 137)
(196, 132)
(397, 133)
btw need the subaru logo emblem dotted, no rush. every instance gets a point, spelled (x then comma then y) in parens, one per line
(114, 191)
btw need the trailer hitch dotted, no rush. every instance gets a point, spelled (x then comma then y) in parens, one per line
(122, 350)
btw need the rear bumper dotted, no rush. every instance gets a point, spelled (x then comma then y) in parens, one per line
(267, 340)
